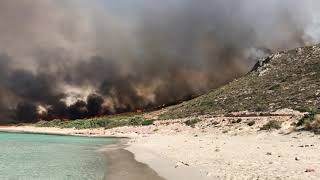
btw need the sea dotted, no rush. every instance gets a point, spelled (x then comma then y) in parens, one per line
(52, 157)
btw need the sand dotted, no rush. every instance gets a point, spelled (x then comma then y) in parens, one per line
(263, 156)
(216, 148)
(123, 166)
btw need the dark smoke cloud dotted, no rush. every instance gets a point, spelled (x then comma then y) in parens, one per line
(77, 59)
(94, 105)
(26, 112)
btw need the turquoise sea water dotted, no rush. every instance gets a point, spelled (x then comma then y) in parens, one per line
(48, 157)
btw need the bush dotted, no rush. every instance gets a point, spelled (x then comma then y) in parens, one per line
(251, 123)
(136, 121)
(308, 118)
(116, 123)
(80, 124)
(53, 123)
(313, 123)
(271, 125)
(41, 124)
(147, 122)
(192, 122)
(103, 122)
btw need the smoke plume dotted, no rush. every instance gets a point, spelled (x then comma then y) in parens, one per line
(77, 59)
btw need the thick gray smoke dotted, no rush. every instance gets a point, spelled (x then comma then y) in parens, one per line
(74, 59)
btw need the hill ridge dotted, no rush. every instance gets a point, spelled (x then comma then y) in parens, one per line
(287, 79)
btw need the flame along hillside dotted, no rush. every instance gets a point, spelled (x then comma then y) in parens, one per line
(289, 79)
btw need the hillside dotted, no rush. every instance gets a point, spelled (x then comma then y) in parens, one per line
(289, 79)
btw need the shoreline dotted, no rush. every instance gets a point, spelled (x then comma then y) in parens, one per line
(53, 131)
(122, 165)
(58, 134)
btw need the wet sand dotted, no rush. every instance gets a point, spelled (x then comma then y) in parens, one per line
(123, 166)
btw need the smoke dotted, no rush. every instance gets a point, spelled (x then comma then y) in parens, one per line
(77, 59)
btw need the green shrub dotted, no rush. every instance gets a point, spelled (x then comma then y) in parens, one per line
(41, 124)
(147, 122)
(53, 123)
(116, 123)
(136, 121)
(273, 124)
(103, 122)
(192, 122)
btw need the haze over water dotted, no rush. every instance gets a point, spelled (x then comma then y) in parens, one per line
(31, 156)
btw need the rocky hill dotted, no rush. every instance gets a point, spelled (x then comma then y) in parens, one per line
(289, 79)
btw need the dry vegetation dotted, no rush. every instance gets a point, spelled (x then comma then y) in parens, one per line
(271, 125)
(288, 80)
(311, 122)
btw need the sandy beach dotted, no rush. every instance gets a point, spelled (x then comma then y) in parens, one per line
(123, 166)
(216, 148)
